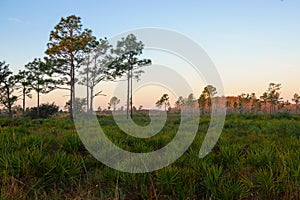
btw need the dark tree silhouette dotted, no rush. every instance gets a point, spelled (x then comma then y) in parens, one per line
(39, 80)
(163, 101)
(7, 87)
(24, 84)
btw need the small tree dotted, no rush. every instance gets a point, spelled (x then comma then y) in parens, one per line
(7, 87)
(22, 79)
(164, 100)
(127, 62)
(79, 105)
(296, 99)
(228, 105)
(190, 102)
(273, 96)
(207, 94)
(287, 106)
(244, 99)
(202, 102)
(256, 105)
(264, 99)
(114, 101)
(38, 80)
(97, 69)
(281, 106)
(235, 106)
(90, 51)
(140, 107)
(180, 102)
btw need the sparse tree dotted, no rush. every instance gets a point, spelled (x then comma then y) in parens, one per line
(163, 101)
(287, 106)
(296, 99)
(67, 47)
(273, 96)
(38, 80)
(228, 105)
(89, 54)
(22, 79)
(264, 99)
(180, 102)
(255, 106)
(97, 69)
(205, 98)
(134, 109)
(281, 106)
(114, 101)
(190, 101)
(127, 62)
(235, 106)
(202, 102)
(7, 87)
(140, 107)
(244, 99)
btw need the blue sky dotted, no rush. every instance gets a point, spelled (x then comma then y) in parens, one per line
(251, 43)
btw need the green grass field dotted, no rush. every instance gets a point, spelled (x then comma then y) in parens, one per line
(256, 157)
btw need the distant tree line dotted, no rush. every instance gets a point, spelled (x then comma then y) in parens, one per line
(270, 102)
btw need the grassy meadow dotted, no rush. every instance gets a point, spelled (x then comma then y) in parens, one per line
(256, 157)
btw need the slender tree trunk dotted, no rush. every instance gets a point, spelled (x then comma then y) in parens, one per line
(209, 105)
(9, 103)
(271, 108)
(87, 88)
(72, 98)
(92, 99)
(24, 96)
(10, 111)
(131, 110)
(72, 83)
(74, 105)
(38, 103)
(71, 94)
(128, 81)
(91, 87)
(265, 108)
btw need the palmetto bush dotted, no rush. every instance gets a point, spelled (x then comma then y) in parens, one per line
(256, 157)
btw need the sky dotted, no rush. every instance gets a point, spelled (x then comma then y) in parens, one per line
(251, 43)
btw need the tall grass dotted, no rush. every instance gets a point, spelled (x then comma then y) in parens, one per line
(256, 157)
